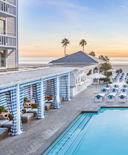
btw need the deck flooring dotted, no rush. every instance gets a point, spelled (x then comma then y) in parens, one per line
(39, 134)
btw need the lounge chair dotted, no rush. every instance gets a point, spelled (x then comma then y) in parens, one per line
(8, 125)
(3, 133)
(116, 86)
(114, 90)
(105, 90)
(27, 117)
(124, 86)
(48, 106)
(123, 97)
(111, 97)
(124, 90)
(3, 122)
(34, 111)
(99, 97)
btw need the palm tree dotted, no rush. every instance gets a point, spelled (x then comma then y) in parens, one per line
(64, 43)
(82, 43)
(92, 53)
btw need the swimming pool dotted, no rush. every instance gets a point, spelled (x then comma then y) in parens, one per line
(102, 133)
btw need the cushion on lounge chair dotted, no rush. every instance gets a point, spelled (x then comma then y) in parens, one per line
(110, 96)
(2, 130)
(98, 96)
(8, 124)
(107, 85)
(3, 121)
(27, 109)
(47, 104)
(115, 86)
(124, 86)
(27, 115)
(32, 101)
(33, 110)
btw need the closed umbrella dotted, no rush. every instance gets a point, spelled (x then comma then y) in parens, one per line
(97, 76)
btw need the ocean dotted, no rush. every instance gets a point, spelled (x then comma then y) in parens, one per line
(45, 60)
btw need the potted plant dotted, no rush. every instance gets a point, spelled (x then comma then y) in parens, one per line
(2, 109)
(110, 82)
(127, 81)
(25, 99)
(106, 80)
(101, 81)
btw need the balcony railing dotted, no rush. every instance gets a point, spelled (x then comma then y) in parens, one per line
(7, 8)
(7, 41)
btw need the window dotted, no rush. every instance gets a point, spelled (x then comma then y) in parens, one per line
(2, 58)
(2, 27)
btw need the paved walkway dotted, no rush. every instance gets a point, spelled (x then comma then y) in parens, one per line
(39, 134)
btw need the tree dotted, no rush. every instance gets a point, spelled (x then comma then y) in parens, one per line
(64, 43)
(104, 58)
(92, 53)
(106, 66)
(83, 43)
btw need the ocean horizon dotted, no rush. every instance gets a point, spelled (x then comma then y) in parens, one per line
(45, 60)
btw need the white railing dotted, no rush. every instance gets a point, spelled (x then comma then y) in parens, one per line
(7, 41)
(7, 8)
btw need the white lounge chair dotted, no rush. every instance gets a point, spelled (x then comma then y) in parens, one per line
(105, 90)
(122, 97)
(111, 97)
(99, 97)
(125, 86)
(114, 90)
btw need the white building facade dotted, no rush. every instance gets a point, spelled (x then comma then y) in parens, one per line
(8, 34)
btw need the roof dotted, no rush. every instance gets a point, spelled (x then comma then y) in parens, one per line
(78, 57)
(30, 75)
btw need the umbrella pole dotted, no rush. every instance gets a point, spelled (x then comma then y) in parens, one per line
(96, 85)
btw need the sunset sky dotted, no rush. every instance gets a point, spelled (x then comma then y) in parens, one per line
(44, 23)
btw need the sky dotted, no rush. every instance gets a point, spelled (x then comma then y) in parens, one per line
(44, 23)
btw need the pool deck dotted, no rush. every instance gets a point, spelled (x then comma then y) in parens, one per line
(39, 134)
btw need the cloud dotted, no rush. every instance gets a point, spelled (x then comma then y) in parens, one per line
(123, 6)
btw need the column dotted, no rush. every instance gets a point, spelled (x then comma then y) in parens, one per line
(68, 86)
(41, 113)
(57, 93)
(18, 111)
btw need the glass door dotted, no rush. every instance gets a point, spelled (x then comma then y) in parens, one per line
(2, 59)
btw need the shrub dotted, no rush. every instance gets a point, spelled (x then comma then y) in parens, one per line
(102, 79)
(2, 109)
(110, 82)
(119, 71)
(127, 81)
(25, 99)
(90, 72)
(106, 79)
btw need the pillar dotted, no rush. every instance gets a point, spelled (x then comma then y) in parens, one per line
(18, 111)
(57, 93)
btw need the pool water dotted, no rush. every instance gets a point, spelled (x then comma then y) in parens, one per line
(102, 133)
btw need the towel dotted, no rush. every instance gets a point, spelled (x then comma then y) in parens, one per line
(107, 85)
(121, 96)
(110, 96)
(123, 90)
(103, 90)
(98, 96)
(113, 90)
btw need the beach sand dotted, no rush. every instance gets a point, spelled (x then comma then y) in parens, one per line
(122, 66)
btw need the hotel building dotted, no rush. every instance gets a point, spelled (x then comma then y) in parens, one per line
(8, 34)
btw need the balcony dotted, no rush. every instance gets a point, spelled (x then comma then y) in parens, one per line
(7, 42)
(7, 9)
